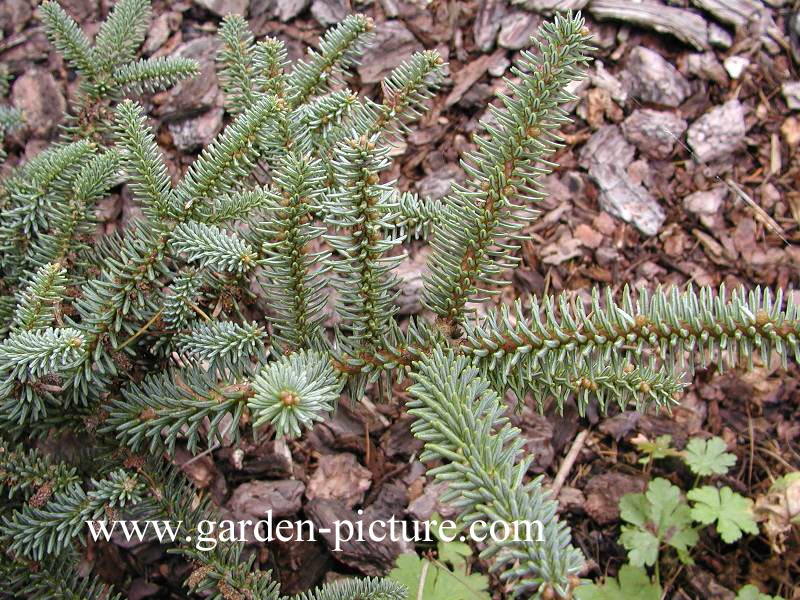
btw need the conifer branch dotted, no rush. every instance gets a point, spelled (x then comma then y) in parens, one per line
(406, 92)
(68, 38)
(121, 34)
(37, 531)
(415, 216)
(210, 246)
(35, 188)
(224, 345)
(89, 349)
(142, 161)
(26, 354)
(269, 64)
(10, 118)
(121, 292)
(338, 50)
(291, 273)
(73, 221)
(154, 74)
(236, 58)
(235, 206)
(467, 248)
(356, 589)
(174, 405)
(38, 303)
(51, 579)
(327, 118)
(229, 158)
(295, 392)
(222, 572)
(360, 209)
(678, 327)
(29, 474)
(179, 305)
(462, 422)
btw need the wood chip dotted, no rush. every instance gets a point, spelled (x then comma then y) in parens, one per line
(732, 12)
(470, 74)
(685, 25)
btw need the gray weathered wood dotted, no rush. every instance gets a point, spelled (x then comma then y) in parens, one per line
(732, 12)
(685, 25)
(550, 6)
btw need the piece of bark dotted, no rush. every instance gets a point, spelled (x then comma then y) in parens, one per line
(719, 37)
(14, 15)
(196, 132)
(685, 25)
(588, 236)
(285, 10)
(343, 432)
(410, 283)
(607, 145)
(300, 564)
(39, 97)
(369, 556)
(601, 78)
(160, 29)
(718, 133)
(255, 498)
(733, 12)
(603, 493)
(705, 203)
(736, 65)
(203, 472)
(606, 156)
(330, 12)
(398, 439)
(653, 79)
(393, 44)
(791, 93)
(437, 185)
(339, 477)
(628, 200)
(83, 11)
(199, 93)
(561, 250)
(537, 431)
(516, 30)
(654, 132)
(705, 66)
(269, 459)
(225, 7)
(551, 6)
(470, 74)
(487, 24)
(423, 507)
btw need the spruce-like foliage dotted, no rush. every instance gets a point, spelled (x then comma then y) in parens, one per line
(109, 69)
(150, 339)
(10, 117)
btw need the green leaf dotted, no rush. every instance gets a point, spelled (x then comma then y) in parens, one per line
(782, 484)
(455, 553)
(708, 457)
(664, 499)
(633, 584)
(642, 546)
(635, 509)
(660, 516)
(732, 512)
(751, 592)
(660, 448)
(435, 582)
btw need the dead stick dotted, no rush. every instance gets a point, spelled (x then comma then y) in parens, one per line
(569, 461)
